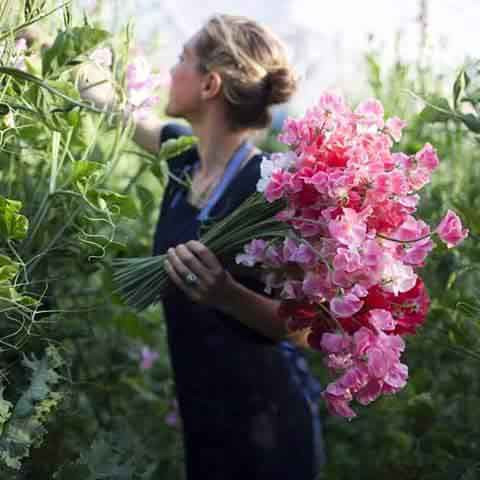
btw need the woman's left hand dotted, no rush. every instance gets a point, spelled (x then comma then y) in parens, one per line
(195, 270)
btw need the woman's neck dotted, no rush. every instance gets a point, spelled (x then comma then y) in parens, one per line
(216, 144)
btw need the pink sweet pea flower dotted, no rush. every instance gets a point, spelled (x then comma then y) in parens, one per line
(254, 253)
(277, 186)
(332, 103)
(347, 259)
(363, 340)
(370, 112)
(382, 320)
(335, 342)
(396, 276)
(394, 127)
(350, 229)
(138, 72)
(346, 306)
(396, 378)
(148, 358)
(318, 286)
(337, 400)
(450, 230)
(427, 158)
(370, 392)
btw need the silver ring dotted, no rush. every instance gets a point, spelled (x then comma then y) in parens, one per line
(191, 279)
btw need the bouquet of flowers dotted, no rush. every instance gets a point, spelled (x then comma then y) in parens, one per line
(332, 231)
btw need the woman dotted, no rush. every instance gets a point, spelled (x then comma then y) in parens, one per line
(244, 393)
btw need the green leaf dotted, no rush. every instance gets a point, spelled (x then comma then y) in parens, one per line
(5, 410)
(84, 169)
(472, 122)
(24, 428)
(56, 102)
(118, 204)
(69, 45)
(438, 110)
(459, 86)
(13, 226)
(8, 269)
(147, 200)
(85, 129)
(174, 147)
(171, 149)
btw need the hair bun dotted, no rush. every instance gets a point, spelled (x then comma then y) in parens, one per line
(281, 84)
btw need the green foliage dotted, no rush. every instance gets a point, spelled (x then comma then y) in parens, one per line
(465, 91)
(69, 45)
(75, 193)
(23, 427)
(171, 149)
(13, 225)
(112, 456)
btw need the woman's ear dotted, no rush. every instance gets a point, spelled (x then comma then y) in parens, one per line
(212, 85)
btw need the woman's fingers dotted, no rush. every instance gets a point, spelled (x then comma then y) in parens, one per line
(177, 264)
(206, 255)
(193, 264)
(194, 258)
(179, 281)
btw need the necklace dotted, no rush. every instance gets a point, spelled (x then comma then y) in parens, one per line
(198, 196)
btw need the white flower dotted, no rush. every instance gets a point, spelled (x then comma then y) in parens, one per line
(10, 120)
(277, 161)
(397, 277)
(102, 57)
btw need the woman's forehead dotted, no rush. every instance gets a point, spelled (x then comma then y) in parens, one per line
(189, 45)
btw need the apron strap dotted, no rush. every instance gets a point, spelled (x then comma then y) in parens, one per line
(233, 166)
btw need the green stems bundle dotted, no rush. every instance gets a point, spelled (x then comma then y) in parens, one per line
(143, 281)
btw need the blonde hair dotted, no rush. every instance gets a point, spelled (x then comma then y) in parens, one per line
(253, 65)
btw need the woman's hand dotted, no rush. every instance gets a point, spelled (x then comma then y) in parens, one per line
(214, 286)
(95, 84)
(195, 270)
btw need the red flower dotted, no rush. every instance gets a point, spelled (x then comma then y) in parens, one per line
(335, 157)
(300, 315)
(409, 309)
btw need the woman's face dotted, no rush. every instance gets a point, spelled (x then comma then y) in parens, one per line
(186, 81)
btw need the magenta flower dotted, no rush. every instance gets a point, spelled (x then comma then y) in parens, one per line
(172, 418)
(148, 358)
(370, 112)
(141, 84)
(427, 158)
(450, 230)
(394, 127)
(345, 306)
(337, 400)
(335, 342)
(254, 253)
(350, 229)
